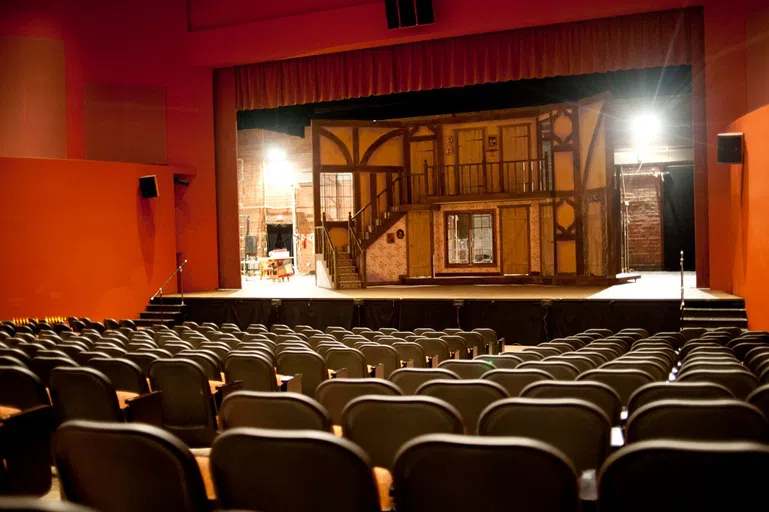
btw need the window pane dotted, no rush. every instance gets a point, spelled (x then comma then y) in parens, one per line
(458, 239)
(483, 238)
(336, 195)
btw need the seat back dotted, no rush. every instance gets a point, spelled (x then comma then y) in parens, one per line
(384, 355)
(624, 382)
(42, 366)
(381, 425)
(21, 388)
(411, 352)
(309, 364)
(345, 482)
(188, 408)
(740, 382)
(434, 348)
(282, 411)
(656, 391)
(351, 359)
(470, 397)
(409, 379)
(83, 394)
(596, 393)
(335, 394)
(124, 374)
(561, 370)
(514, 381)
(143, 360)
(498, 361)
(120, 467)
(578, 428)
(256, 372)
(537, 476)
(684, 475)
(467, 368)
(701, 420)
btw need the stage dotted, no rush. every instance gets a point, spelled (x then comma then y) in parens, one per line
(521, 313)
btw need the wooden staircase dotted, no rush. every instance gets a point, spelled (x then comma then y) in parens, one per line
(347, 276)
(370, 233)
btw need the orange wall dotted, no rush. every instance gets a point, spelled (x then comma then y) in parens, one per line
(79, 240)
(138, 43)
(147, 42)
(749, 196)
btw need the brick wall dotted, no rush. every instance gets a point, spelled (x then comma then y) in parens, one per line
(266, 196)
(643, 195)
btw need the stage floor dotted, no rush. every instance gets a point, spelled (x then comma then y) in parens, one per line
(651, 286)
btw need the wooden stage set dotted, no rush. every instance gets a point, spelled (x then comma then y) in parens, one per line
(525, 314)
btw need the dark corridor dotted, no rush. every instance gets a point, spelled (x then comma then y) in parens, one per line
(678, 216)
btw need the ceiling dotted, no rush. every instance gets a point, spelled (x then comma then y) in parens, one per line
(205, 14)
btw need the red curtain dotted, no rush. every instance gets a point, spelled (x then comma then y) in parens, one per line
(647, 40)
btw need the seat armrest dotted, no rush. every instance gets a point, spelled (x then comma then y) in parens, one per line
(225, 389)
(146, 408)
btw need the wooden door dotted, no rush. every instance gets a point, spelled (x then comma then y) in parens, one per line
(515, 240)
(420, 250)
(471, 158)
(516, 153)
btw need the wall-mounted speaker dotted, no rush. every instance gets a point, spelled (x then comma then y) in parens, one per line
(148, 186)
(729, 148)
(408, 13)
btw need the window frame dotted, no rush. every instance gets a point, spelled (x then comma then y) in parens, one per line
(494, 240)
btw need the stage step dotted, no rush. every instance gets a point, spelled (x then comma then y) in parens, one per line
(173, 313)
(149, 315)
(712, 314)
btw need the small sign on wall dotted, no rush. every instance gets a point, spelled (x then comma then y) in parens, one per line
(390, 238)
(449, 140)
(492, 141)
(449, 150)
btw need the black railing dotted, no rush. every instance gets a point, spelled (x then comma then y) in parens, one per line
(509, 177)
(328, 251)
(385, 201)
(357, 252)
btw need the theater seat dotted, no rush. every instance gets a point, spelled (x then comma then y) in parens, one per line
(677, 475)
(293, 471)
(114, 467)
(281, 411)
(440, 472)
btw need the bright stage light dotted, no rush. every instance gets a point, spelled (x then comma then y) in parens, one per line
(276, 155)
(646, 128)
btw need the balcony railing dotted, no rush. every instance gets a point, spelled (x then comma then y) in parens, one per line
(509, 177)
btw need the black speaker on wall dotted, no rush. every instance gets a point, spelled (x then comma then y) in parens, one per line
(729, 148)
(408, 13)
(148, 186)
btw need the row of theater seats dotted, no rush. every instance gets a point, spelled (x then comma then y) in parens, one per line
(584, 409)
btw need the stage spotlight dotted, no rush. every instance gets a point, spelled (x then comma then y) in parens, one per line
(646, 128)
(276, 155)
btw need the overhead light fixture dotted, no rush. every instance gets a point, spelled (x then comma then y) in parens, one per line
(647, 128)
(276, 155)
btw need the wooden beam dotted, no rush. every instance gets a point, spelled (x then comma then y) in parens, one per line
(398, 169)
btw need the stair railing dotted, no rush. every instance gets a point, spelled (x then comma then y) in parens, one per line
(179, 270)
(368, 215)
(683, 303)
(357, 251)
(329, 252)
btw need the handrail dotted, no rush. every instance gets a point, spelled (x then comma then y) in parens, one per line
(396, 201)
(179, 270)
(683, 303)
(357, 251)
(329, 252)
(507, 176)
